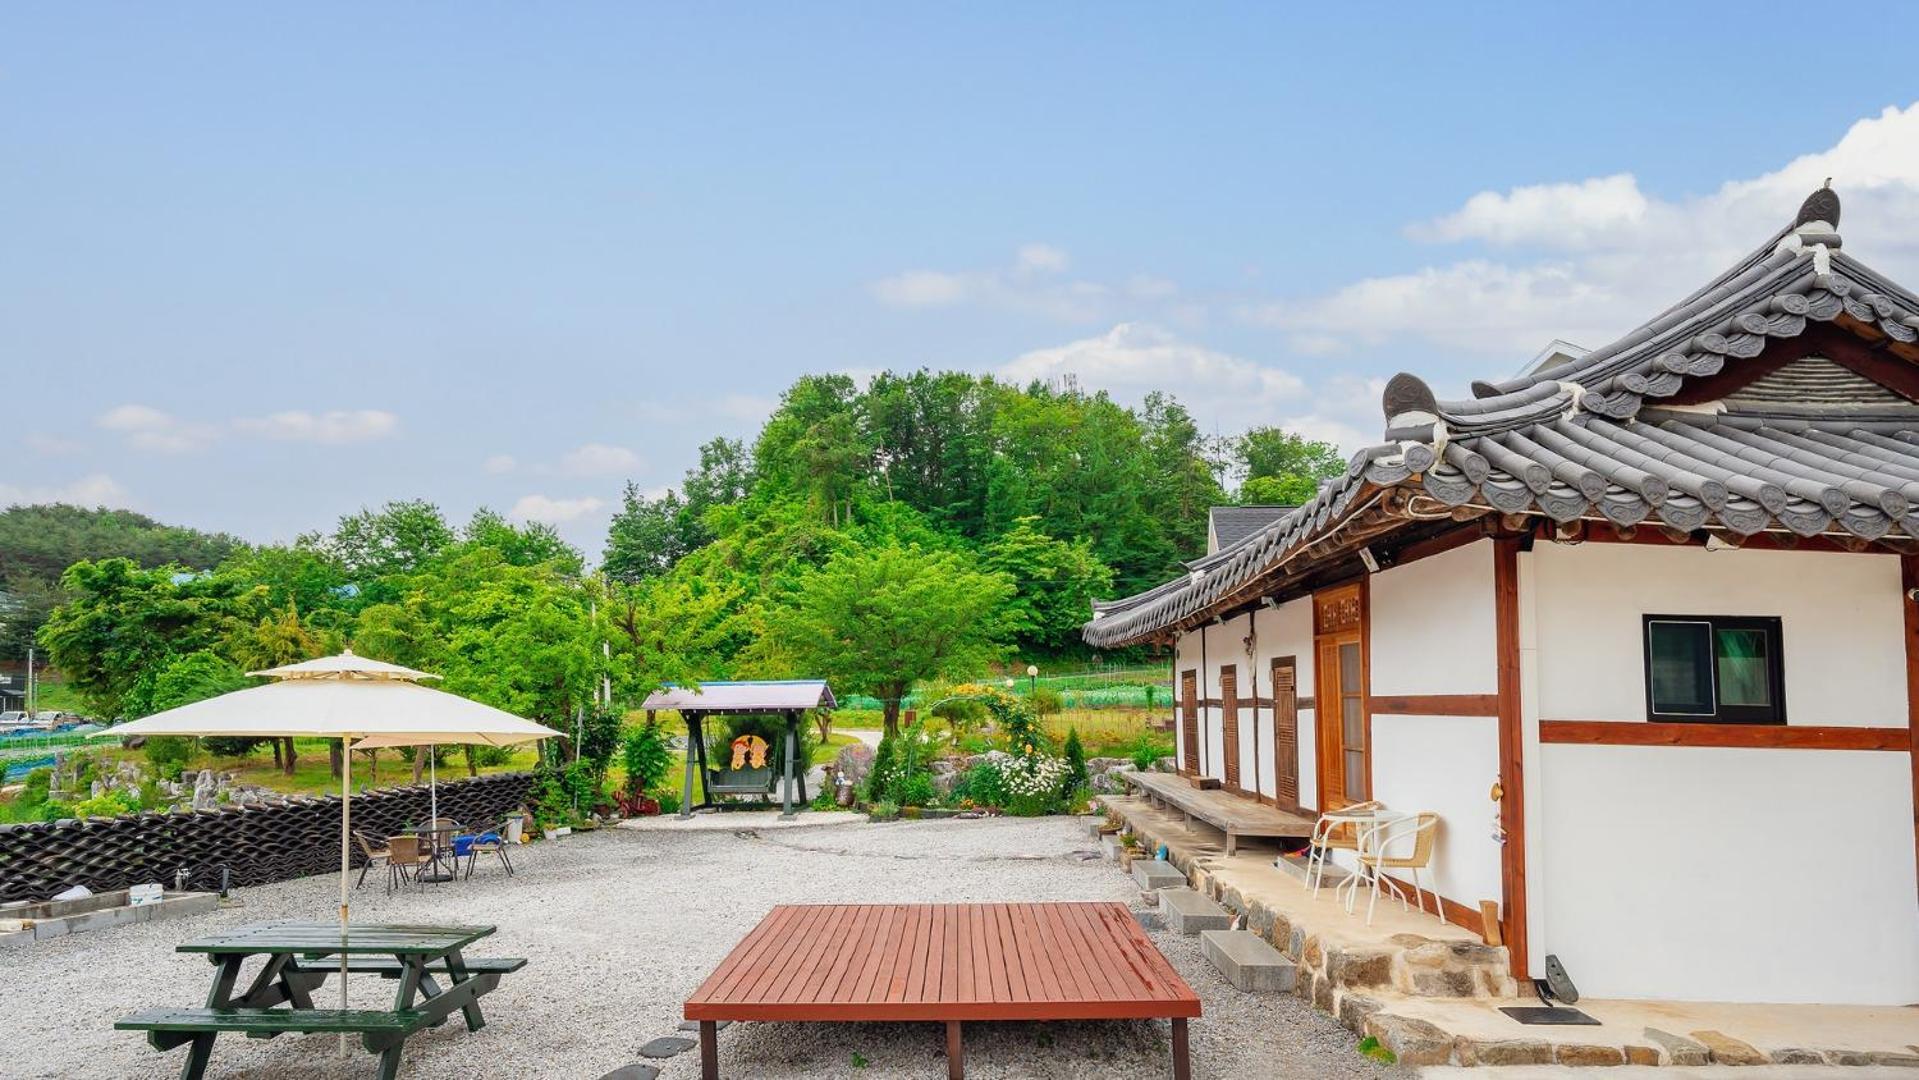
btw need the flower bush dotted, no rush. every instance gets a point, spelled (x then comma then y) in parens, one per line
(1033, 783)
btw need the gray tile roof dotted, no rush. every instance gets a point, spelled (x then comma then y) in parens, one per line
(1231, 524)
(764, 696)
(1809, 447)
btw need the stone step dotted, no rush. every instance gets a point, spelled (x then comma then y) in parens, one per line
(1247, 961)
(1157, 874)
(1188, 912)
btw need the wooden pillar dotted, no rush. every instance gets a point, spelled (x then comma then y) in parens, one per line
(686, 787)
(1908, 581)
(1512, 780)
(792, 751)
(955, 1052)
(1182, 1051)
(709, 1050)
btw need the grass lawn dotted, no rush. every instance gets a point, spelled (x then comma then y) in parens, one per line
(1104, 732)
(312, 773)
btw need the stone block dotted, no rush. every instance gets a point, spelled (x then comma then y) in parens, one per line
(1796, 1055)
(1412, 1041)
(1110, 847)
(666, 1046)
(1504, 1052)
(1187, 912)
(1679, 1049)
(1247, 962)
(1726, 1050)
(1362, 969)
(1582, 1054)
(1444, 982)
(1354, 1009)
(1641, 1055)
(1157, 874)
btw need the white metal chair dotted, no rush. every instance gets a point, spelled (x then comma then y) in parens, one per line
(1338, 829)
(1399, 843)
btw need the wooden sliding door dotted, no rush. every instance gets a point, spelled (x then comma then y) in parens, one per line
(1229, 724)
(1189, 723)
(1344, 736)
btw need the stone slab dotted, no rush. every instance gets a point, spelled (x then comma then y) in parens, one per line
(666, 1046)
(1157, 874)
(633, 1072)
(1188, 912)
(1249, 963)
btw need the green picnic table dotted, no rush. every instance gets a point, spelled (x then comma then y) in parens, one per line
(298, 959)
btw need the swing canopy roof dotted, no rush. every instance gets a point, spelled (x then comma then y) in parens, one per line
(755, 696)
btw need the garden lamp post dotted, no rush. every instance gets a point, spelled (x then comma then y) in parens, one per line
(1032, 679)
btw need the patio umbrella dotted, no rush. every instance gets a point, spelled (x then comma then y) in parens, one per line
(363, 703)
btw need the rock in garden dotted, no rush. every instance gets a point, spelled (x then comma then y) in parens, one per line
(854, 762)
(666, 1046)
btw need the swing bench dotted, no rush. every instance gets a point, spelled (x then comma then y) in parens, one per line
(749, 770)
(748, 774)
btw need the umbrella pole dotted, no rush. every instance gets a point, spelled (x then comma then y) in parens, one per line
(346, 855)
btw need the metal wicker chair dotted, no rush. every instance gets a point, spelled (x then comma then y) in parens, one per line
(406, 857)
(372, 854)
(491, 842)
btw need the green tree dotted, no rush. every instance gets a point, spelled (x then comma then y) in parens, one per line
(647, 536)
(878, 620)
(198, 676)
(1055, 583)
(397, 539)
(123, 625)
(1282, 468)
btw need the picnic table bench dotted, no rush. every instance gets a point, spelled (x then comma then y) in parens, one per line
(947, 963)
(298, 959)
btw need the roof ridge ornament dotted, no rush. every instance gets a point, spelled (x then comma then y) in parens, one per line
(1815, 229)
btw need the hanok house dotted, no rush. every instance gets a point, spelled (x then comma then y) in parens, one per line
(1639, 625)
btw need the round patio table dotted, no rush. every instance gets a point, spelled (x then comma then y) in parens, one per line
(439, 851)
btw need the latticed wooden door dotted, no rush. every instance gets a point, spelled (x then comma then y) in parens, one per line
(1189, 723)
(1229, 724)
(1286, 730)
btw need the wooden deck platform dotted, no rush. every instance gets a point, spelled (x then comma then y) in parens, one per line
(1235, 815)
(945, 963)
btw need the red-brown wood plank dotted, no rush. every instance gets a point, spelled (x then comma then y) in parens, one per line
(944, 962)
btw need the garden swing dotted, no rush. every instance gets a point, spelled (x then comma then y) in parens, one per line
(747, 769)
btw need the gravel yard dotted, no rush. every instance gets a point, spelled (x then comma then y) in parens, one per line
(620, 926)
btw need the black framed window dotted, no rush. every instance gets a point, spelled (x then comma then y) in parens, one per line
(1721, 669)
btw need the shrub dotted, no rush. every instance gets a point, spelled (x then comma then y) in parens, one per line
(34, 791)
(1147, 751)
(1046, 700)
(1033, 784)
(915, 789)
(880, 776)
(884, 811)
(232, 745)
(492, 757)
(107, 804)
(169, 755)
(983, 784)
(646, 757)
(1079, 801)
(1075, 754)
(668, 799)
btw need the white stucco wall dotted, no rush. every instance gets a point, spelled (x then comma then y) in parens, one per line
(1705, 873)
(1225, 646)
(1433, 625)
(1185, 658)
(1433, 633)
(1286, 630)
(1446, 764)
(1718, 873)
(1842, 628)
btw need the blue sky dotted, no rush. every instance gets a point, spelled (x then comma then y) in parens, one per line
(264, 266)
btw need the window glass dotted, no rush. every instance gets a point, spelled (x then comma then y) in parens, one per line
(1355, 774)
(1349, 668)
(1743, 667)
(1354, 720)
(1681, 667)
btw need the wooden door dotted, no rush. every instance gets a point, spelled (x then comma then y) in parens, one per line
(1286, 731)
(1229, 723)
(1344, 767)
(1189, 723)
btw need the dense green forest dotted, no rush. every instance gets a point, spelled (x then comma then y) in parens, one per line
(923, 527)
(38, 543)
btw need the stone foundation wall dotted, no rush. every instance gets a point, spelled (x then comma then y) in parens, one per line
(256, 843)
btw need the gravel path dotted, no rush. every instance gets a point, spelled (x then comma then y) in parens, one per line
(620, 926)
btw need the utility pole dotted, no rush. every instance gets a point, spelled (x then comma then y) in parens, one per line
(30, 687)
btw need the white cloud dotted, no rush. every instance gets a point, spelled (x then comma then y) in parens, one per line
(148, 428)
(1587, 260)
(553, 511)
(499, 464)
(334, 428)
(94, 489)
(1032, 283)
(599, 459)
(1132, 359)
